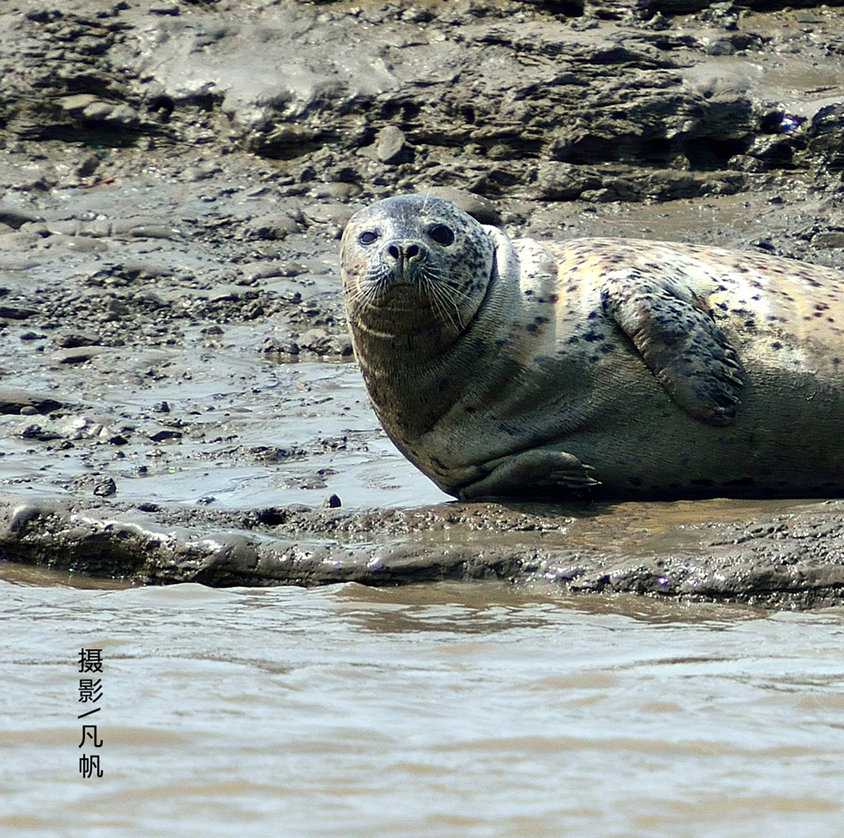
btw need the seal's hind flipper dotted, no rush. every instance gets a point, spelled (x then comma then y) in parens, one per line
(539, 471)
(680, 342)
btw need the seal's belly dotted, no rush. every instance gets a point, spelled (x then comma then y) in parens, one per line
(785, 442)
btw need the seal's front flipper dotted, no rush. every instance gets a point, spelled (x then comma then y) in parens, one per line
(680, 342)
(538, 472)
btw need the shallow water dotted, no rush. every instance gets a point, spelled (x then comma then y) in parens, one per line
(440, 710)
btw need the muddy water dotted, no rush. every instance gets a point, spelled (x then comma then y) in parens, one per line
(442, 710)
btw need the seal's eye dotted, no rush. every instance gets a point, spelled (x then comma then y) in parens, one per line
(367, 237)
(441, 234)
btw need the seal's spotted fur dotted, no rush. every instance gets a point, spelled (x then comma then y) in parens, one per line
(615, 367)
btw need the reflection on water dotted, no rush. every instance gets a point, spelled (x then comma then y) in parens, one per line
(440, 710)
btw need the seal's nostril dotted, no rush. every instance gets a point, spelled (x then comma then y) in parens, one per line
(404, 252)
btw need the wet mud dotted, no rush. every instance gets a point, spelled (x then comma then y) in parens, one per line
(178, 400)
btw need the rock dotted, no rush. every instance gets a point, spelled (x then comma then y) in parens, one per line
(833, 238)
(16, 217)
(17, 312)
(391, 146)
(479, 207)
(273, 226)
(105, 488)
(77, 354)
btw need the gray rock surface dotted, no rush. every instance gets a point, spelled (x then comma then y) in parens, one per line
(176, 394)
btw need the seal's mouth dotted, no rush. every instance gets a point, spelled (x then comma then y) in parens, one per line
(407, 304)
(401, 294)
(401, 283)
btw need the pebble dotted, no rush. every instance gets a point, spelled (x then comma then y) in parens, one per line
(391, 146)
(105, 488)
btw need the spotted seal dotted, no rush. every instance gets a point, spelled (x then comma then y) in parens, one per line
(598, 367)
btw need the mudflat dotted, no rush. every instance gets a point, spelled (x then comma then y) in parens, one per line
(178, 398)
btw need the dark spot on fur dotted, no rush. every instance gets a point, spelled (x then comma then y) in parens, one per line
(594, 336)
(776, 345)
(749, 324)
(574, 339)
(532, 327)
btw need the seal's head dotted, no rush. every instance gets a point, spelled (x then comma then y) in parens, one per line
(413, 263)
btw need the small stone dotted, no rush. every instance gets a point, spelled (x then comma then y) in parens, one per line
(480, 208)
(391, 146)
(830, 238)
(36, 432)
(165, 434)
(77, 102)
(16, 312)
(76, 355)
(333, 502)
(88, 166)
(274, 226)
(74, 340)
(105, 488)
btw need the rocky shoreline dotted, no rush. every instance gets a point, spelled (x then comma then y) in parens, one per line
(177, 394)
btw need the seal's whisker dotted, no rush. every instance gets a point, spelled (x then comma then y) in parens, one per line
(432, 294)
(443, 301)
(448, 292)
